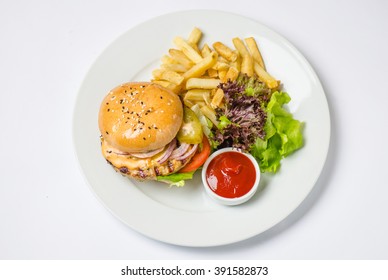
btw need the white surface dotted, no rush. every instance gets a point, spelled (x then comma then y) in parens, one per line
(48, 212)
(183, 213)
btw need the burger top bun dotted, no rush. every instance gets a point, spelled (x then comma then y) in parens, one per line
(140, 117)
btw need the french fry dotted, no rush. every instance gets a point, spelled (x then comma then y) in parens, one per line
(270, 81)
(240, 47)
(168, 75)
(201, 83)
(179, 68)
(247, 65)
(236, 64)
(225, 51)
(213, 73)
(247, 61)
(188, 50)
(194, 36)
(207, 100)
(167, 59)
(222, 74)
(210, 114)
(255, 52)
(179, 57)
(195, 73)
(221, 66)
(188, 102)
(205, 50)
(171, 86)
(217, 98)
(232, 74)
(200, 68)
(197, 94)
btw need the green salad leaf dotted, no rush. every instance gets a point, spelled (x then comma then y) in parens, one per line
(283, 134)
(176, 179)
(223, 122)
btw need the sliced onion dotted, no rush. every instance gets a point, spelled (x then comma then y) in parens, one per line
(118, 152)
(121, 153)
(180, 151)
(147, 154)
(168, 152)
(189, 153)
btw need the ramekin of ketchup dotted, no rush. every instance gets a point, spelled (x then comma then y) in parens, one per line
(230, 176)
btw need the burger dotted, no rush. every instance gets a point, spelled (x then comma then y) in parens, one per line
(139, 123)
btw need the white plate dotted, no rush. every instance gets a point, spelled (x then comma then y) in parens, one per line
(186, 216)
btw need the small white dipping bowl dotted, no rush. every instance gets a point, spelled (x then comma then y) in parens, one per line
(225, 200)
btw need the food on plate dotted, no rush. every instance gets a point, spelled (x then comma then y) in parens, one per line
(254, 120)
(254, 50)
(237, 101)
(199, 100)
(139, 124)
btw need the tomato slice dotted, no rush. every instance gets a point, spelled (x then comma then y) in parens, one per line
(199, 158)
(191, 129)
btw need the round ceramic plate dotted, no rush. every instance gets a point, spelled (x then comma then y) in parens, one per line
(187, 216)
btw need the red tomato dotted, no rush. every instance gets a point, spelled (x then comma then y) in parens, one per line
(199, 158)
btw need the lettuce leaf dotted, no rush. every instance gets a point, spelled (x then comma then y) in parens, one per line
(176, 179)
(283, 134)
(223, 122)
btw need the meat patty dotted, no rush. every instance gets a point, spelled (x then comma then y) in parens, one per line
(140, 168)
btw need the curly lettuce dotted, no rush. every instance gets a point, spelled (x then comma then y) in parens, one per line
(255, 120)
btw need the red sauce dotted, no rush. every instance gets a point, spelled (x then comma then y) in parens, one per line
(231, 175)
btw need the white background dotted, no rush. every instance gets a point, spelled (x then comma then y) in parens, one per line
(47, 211)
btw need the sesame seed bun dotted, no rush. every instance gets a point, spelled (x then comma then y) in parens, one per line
(140, 117)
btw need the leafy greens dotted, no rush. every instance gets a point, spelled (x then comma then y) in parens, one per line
(254, 120)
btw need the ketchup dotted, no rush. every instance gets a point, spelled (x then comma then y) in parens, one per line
(231, 175)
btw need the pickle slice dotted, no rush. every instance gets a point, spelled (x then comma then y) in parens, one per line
(191, 129)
